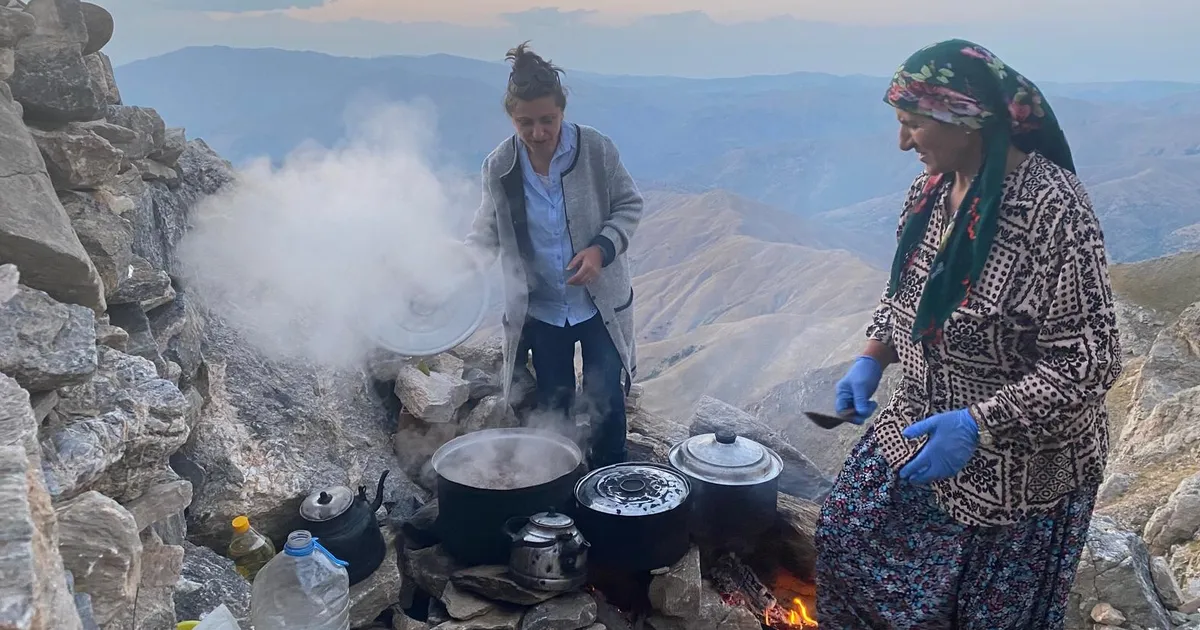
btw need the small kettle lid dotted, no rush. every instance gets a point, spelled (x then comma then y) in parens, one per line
(552, 520)
(326, 504)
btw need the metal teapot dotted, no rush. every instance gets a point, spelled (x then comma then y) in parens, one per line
(548, 552)
(346, 524)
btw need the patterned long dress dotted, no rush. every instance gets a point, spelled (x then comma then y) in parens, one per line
(1032, 352)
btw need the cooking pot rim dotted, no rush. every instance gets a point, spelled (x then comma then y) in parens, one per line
(486, 435)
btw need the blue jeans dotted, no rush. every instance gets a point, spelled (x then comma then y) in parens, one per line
(603, 401)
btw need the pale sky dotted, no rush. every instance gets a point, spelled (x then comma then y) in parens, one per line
(1086, 40)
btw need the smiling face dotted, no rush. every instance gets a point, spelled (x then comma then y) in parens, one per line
(941, 147)
(538, 123)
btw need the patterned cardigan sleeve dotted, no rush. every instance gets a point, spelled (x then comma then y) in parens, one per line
(880, 328)
(1079, 351)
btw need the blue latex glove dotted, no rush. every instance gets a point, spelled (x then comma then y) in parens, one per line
(953, 436)
(855, 389)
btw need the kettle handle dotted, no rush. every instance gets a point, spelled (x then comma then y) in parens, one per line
(515, 535)
(512, 529)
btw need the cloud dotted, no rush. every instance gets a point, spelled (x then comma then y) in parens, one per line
(234, 6)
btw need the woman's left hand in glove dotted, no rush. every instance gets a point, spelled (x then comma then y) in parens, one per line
(953, 437)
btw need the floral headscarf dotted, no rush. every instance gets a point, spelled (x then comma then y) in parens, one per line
(961, 83)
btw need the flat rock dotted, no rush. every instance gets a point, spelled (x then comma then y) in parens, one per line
(143, 285)
(149, 132)
(1115, 569)
(1165, 584)
(34, 594)
(677, 592)
(420, 529)
(112, 336)
(463, 605)
(1177, 520)
(154, 172)
(370, 597)
(492, 412)
(44, 344)
(100, 545)
(159, 502)
(503, 618)
(35, 232)
(106, 236)
(208, 580)
(434, 397)
(430, 568)
(178, 331)
(52, 81)
(494, 582)
(573, 611)
(100, 73)
(77, 158)
(161, 567)
(174, 143)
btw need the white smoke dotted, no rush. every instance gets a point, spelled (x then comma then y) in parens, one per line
(304, 258)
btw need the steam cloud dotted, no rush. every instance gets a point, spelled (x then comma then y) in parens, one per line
(303, 258)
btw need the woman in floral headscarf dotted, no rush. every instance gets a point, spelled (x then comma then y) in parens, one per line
(966, 505)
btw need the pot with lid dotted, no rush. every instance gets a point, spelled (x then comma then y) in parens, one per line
(735, 483)
(346, 525)
(548, 552)
(635, 515)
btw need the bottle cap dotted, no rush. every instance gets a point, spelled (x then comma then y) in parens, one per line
(241, 525)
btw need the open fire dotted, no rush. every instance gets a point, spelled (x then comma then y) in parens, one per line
(787, 604)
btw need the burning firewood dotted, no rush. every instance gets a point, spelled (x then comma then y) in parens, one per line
(739, 585)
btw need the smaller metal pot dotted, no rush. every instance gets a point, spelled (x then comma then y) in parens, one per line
(548, 552)
(735, 484)
(635, 515)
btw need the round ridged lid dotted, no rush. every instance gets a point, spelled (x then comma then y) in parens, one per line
(632, 489)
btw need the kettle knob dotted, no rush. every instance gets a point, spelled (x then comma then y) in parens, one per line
(725, 436)
(324, 498)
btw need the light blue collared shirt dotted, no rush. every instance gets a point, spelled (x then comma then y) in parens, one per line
(551, 299)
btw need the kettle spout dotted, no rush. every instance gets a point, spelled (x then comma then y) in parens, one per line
(379, 493)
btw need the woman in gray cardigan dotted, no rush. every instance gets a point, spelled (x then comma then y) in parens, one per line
(559, 209)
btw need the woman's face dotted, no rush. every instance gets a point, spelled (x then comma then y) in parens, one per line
(538, 123)
(942, 147)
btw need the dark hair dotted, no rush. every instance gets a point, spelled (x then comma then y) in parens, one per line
(532, 78)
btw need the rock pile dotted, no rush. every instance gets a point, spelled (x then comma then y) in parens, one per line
(122, 402)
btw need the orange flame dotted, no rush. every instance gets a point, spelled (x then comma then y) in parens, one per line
(795, 617)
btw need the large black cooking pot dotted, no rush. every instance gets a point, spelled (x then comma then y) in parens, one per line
(635, 515)
(487, 477)
(735, 485)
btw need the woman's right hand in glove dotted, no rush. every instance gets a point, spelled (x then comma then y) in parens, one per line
(856, 388)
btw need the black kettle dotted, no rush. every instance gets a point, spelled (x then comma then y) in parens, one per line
(346, 525)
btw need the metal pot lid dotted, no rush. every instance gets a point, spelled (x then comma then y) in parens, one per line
(426, 319)
(726, 458)
(632, 489)
(552, 520)
(326, 504)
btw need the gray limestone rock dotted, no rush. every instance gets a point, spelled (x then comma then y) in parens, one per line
(35, 231)
(77, 158)
(44, 344)
(100, 545)
(1115, 569)
(208, 580)
(52, 81)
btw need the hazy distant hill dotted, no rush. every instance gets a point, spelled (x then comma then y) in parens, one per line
(806, 143)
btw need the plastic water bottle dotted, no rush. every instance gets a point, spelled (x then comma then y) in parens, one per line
(301, 590)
